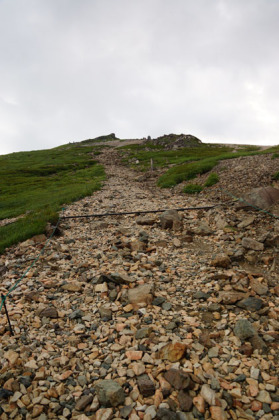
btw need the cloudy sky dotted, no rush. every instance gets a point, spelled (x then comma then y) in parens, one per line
(76, 69)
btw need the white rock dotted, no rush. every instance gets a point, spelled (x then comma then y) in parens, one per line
(151, 411)
(254, 372)
(208, 394)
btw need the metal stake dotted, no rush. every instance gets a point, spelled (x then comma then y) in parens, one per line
(8, 318)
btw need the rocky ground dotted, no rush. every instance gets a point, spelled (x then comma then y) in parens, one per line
(242, 174)
(157, 316)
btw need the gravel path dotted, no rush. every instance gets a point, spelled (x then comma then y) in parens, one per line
(140, 317)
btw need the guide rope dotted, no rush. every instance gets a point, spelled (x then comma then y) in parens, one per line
(4, 297)
(242, 200)
(135, 212)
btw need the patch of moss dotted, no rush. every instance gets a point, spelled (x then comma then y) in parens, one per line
(192, 189)
(212, 179)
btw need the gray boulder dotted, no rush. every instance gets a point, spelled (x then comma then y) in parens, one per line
(244, 329)
(110, 393)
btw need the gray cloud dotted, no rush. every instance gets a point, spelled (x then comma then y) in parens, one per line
(74, 70)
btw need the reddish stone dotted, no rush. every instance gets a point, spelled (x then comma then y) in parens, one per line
(217, 413)
(172, 352)
(134, 355)
(199, 403)
(246, 349)
(275, 406)
(256, 405)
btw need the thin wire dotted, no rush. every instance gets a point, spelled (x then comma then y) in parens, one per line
(242, 200)
(4, 297)
(135, 212)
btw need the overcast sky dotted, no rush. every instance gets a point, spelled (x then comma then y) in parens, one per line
(77, 69)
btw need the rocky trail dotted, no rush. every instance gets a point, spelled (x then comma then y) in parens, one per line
(162, 316)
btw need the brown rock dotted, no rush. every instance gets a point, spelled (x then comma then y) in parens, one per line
(104, 414)
(146, 386)
(179, 379)
(165, 386)
(172, 352)
(176, 242)
(250, 243)
(199, 403)
(39, 238)
(264, 397)
(32, 296)
(276, 290)
(205, 340)
(275, 406)
(187, 238)
(185, 401)
(37, 410)
(137, 245)
(146, 220)
(140, 295)
(134, 355)
(217, 413)
(49, 312)
(83, 402)
(258, 344)
(221, 260)
(116, 278)
(65, 375)
(11, 356)
(246, 349)
(246, 222)
(258, 287)
(72, 287)
(171, 219)
(256, 405)
(230, 297)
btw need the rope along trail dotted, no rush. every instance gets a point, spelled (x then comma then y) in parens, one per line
(240, 199)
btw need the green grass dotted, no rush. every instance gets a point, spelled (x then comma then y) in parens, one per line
(186, 163)
(249, 148)
(187, 171)
(163, 158)
(39, 183)
(108, 137)
(212, 179)
(192, 189)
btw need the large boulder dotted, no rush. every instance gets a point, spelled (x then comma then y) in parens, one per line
(110, 393)
(141, 295)
(263, 197)
(244, 329)
(171, 219)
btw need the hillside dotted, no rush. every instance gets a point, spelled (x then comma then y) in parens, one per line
(35, 185)
(170, 315)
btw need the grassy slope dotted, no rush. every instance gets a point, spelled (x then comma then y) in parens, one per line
(186, 163)
(185, 172)
(38, 183)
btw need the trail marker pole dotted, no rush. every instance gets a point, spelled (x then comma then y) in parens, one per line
(8, 318)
